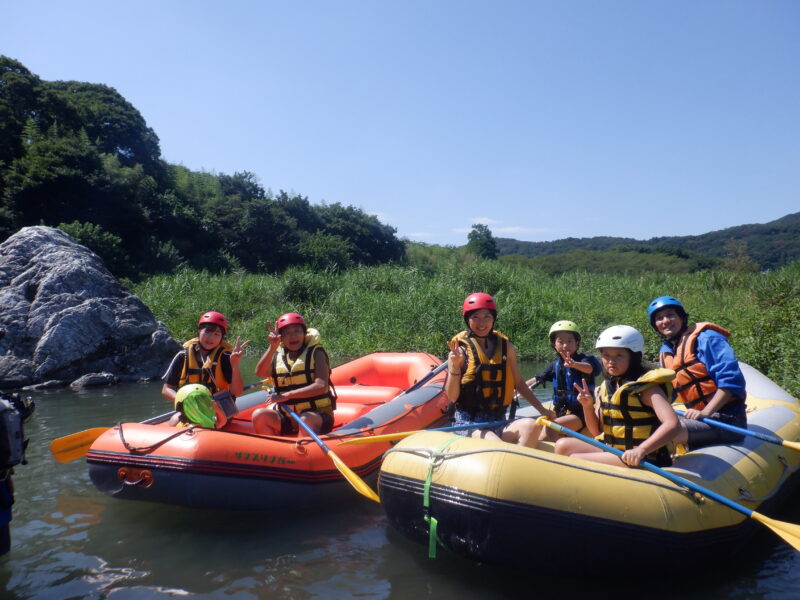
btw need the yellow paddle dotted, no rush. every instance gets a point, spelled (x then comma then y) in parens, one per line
(390, 437)
(359, 484)
(74, 446)
(788, 531)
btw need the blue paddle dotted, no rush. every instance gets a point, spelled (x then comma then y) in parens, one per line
(788, 531)
(741, 431)
(359, 484)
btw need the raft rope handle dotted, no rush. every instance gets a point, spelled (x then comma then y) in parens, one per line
(146, 449)
(436, 459)
(139, 481)
(427, 453)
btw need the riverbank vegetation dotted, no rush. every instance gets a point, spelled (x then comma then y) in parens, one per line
(418, 307)
(79, 156)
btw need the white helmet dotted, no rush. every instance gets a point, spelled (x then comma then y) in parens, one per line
(621, 336)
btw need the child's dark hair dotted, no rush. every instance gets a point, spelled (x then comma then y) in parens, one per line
(211, 326)
(636, 369)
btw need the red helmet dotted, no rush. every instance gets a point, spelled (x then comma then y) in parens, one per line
(290, 319)
(215, 318)
(478, 301)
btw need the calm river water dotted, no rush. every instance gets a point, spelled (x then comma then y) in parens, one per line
(70, 541)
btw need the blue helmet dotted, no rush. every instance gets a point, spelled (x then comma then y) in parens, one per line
(664, 302)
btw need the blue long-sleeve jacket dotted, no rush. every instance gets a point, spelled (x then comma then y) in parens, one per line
(714, 351)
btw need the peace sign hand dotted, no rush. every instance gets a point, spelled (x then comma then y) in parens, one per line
(274, 336)
(584, 394)
(567, 356)
(237, 352)
(456, 357)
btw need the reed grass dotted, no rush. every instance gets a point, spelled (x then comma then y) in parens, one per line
(418, 308)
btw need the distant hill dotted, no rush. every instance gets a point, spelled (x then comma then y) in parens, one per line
(771, 245)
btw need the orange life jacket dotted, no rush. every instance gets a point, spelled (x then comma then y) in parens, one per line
(693, 383)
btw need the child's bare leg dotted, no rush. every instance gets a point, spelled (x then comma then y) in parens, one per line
(570, 421)
(524, 432)
(266, 421)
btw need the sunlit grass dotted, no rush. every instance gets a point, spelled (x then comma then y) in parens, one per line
(412, 308)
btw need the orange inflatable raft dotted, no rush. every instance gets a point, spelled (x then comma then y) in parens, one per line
(235, 468)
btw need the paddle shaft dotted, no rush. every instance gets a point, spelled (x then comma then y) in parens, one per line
(285, 407)
(650, 467)
(424, 380)
(740, 430)
(359, 484)
(388, 437)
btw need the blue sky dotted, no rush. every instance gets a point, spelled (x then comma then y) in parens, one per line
(542, 119)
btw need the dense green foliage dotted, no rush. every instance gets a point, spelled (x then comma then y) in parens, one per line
(80, 155)
(768, 246)
(403, 308)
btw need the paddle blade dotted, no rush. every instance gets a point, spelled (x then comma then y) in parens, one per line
(372, 439)
(792, 445)
(359, 484)
(788, 531)
(76, 445)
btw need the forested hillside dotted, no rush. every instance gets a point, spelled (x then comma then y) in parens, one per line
(80, 156)
(769, 245)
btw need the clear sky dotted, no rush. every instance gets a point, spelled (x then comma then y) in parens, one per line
(542, 119)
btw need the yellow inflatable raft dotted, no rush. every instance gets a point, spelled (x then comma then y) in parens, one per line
(500, 503)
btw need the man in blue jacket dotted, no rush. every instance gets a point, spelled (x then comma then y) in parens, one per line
(708, 379)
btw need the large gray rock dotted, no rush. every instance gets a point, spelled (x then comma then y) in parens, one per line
(66, 316)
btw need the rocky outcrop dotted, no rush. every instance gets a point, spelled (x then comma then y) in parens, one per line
(65, 316)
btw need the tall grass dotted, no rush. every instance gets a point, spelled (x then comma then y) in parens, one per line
(404, 308)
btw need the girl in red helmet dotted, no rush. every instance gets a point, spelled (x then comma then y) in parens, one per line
(483, 376)
(300, 369)
(208, 360)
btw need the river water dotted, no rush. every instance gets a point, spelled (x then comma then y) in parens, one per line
(71, 541)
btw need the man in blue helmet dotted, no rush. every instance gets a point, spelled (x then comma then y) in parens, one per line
(708, 379)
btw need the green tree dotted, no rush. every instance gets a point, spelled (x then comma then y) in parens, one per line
(19, 90)
(324, 251)
(106, 245)
(371, 241)
(59, 178)
(111, 122)
(481, 242)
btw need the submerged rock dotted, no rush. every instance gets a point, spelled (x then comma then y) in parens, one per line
(65, 316)
(94, 380)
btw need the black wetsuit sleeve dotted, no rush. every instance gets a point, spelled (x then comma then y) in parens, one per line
(227, 369)
(548, 374)
(173, 374)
